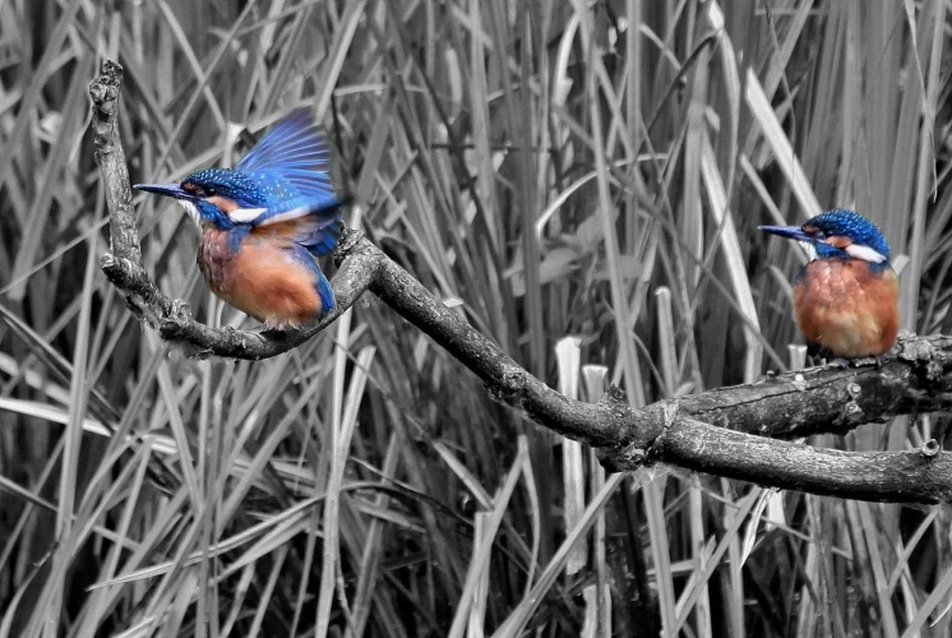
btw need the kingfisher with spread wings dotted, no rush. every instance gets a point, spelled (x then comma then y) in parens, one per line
(264, 223)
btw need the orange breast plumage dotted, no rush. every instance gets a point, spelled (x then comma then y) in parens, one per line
(269, 279)
(848, 306)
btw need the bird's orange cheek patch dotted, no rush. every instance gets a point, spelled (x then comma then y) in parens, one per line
(223, 203)
(839, 241)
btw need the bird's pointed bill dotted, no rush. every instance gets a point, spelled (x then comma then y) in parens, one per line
(789, 232)
(175, 191)
(169, 190)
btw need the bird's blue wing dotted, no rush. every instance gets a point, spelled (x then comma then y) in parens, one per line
(316, 229)
(289, 165)
(318, 232)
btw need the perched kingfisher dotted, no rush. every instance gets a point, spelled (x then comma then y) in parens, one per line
(264, 222)
(845, 299)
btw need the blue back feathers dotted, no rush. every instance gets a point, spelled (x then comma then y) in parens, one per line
(289, 165)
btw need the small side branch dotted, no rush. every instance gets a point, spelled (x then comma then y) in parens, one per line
(918, 476)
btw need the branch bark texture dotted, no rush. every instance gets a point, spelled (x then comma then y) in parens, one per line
(741, 432)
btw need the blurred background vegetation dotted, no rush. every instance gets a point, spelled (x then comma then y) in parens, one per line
(583, 182)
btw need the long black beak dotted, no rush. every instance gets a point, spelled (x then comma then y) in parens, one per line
(169, 190)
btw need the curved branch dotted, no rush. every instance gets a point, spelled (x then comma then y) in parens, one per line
(723, 432)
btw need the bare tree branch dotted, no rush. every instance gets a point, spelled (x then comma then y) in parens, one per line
(730, 432)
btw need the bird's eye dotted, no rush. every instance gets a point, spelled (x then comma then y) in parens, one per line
(198, 190)
(193, 189)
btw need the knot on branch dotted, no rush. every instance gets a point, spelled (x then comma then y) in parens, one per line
(913, 350)
(104, 90)
(118, 271)
(929, 364)
(131, 278)
(509, 388)
(646, 437)
(930, 449)
(622, 459)
(174, 319)
(346, 243)
(852, 411)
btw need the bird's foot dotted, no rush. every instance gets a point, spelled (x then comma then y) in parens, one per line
(857, 362)
(276, 333)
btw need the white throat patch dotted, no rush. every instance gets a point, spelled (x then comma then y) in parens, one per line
(192, 211)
